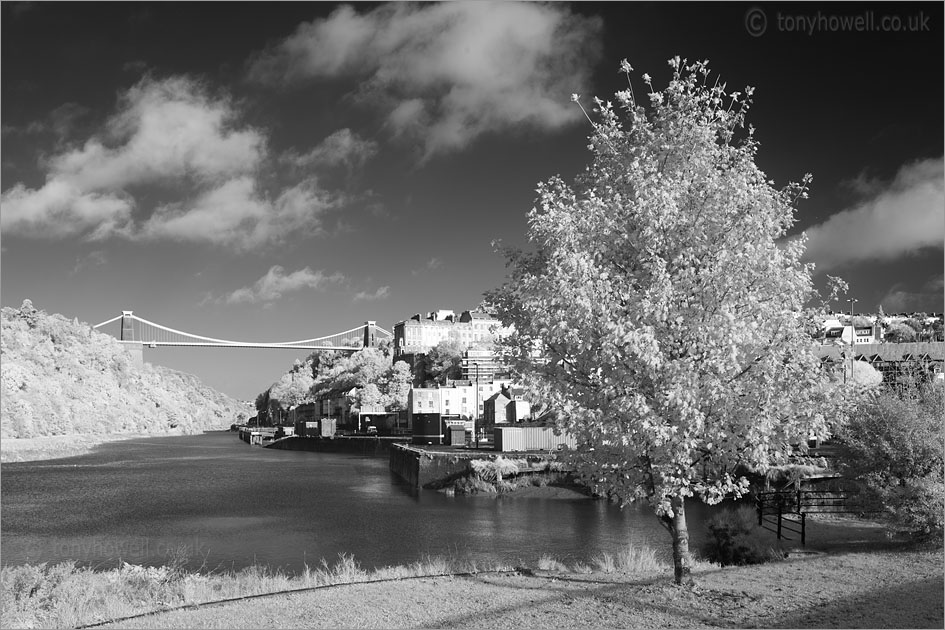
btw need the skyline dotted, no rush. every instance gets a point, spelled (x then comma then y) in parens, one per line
(282, 172)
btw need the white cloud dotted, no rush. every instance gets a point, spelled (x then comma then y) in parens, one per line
(61, 209)
(276, 283)
(170, 129)
(447, 73)
(342, 147)
(237, 214)
(176, 134)
(380, 294)
(897, 219)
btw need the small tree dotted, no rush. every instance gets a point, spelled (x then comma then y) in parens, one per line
(663, 311)
(893, 448)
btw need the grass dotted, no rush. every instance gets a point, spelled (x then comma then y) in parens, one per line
(64, 595)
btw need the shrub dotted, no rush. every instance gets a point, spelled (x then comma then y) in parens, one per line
(733, 539)
(892, 448)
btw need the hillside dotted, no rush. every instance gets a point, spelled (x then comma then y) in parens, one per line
(60, 377)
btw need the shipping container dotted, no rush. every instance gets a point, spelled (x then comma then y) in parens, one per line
(427, 428)
(512, 439)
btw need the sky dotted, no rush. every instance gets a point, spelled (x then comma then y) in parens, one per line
(276, 171)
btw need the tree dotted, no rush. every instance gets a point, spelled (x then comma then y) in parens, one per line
(892, 448)
(444, 361)
(861, 321)
(295, 386)
(899, 333)
(662, 311)
(398, 386)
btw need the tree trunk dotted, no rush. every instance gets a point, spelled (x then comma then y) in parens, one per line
(682, 560)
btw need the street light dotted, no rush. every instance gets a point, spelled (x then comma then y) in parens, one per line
(476, 420)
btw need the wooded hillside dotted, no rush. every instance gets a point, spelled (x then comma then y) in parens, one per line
(61, 377)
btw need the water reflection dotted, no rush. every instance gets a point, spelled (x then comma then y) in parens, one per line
(228, 505)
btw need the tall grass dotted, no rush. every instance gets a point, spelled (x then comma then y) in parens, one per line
(65, 596)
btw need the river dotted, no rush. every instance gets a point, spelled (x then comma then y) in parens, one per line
(225, 505)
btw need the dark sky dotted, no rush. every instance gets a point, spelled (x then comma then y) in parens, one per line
(276, 171)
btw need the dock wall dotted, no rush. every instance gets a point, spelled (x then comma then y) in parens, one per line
(433, 468)
(372, 446)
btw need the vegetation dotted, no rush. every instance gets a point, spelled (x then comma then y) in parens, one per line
(666, 305)
(444, 361)
(893, 448)
(899, 333)
(734, 539)
(65, 596)
(377, 381)
(61, 377)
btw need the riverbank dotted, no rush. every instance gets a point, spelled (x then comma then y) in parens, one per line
(56, 446)
(889, 588)
(873, 590)
(850, 574)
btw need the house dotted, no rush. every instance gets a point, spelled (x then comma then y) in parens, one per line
(459, 400)
(894, 360)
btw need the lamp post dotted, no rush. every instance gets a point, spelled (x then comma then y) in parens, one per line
(852, 338)
(476, 420)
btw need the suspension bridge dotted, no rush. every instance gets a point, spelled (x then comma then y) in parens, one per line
(137, 331)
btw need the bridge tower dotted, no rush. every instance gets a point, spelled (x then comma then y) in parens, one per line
(127, 339)
(370, 335)
(127, 327)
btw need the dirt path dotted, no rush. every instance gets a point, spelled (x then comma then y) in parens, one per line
(885, 589)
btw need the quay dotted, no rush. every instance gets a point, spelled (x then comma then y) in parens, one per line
(356, 444)
(433, 467)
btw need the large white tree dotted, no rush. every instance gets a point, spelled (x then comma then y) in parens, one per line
(661, 308)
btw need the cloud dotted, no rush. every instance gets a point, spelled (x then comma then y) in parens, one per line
(380, 294)
(896, 219)
(431, 265)
(236, 213)
(343, 147)
(172, 134)
(95, 258)
(444, 74)
(928, 298)
(276, 282)
(60, 209)
(164, 130)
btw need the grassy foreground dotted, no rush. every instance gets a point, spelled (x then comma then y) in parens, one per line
(886, 588)
(63, 595)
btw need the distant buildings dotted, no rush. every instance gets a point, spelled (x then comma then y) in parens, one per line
(420, 334)
(461, 400)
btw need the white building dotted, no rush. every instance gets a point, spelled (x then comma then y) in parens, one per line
(461, 400)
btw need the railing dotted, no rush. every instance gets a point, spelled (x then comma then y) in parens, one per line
(785, 511)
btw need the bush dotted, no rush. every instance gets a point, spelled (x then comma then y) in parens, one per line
(892, 448)
(734, 540)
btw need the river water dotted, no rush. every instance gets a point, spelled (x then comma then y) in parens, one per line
(225, 504)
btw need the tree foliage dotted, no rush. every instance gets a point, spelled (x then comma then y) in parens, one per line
(61, 377)
(899, 333)
(663, 309)
(444, 361)
(893, 447)
(368, 371)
